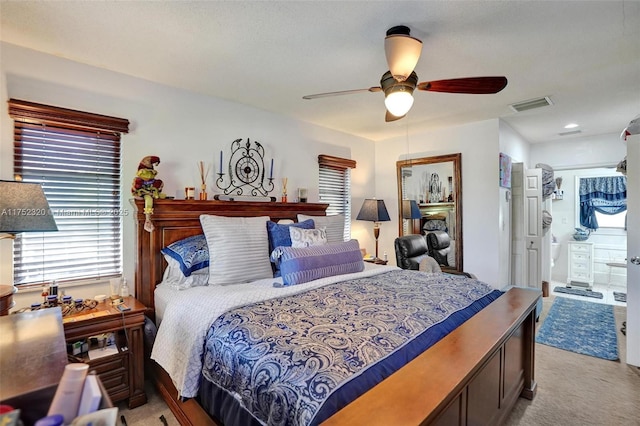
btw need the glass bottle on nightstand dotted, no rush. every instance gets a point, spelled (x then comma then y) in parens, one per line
(124, 288)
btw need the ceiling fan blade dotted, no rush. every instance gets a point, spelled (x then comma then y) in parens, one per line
(388, 117)
(470, 85)
(343, 92)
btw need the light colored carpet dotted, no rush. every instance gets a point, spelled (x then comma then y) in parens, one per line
(576, 389)
(149, 413)
(573, 389)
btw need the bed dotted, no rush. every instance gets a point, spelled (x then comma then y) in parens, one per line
(472, 375)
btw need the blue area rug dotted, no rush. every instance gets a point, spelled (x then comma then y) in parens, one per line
(579, 326)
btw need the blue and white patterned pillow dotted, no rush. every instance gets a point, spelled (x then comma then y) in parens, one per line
(279, 233)
(307, 237)
(301, 265)
(192, 254)
(333, 224)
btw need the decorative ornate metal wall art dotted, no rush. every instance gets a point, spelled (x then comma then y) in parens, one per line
(246, 170)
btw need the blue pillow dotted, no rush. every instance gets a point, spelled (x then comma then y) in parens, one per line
(304, 264)
(192, 253)
(279, 233)
(279, 236)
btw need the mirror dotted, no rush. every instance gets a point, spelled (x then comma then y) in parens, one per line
(435, 183)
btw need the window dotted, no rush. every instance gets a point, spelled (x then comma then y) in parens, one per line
(618, 220)
(335, 187)
(75, 156)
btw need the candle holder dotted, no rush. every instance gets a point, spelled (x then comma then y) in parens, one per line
(189, 193)
(246, 171)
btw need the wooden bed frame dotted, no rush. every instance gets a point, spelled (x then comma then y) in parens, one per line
(472, 376)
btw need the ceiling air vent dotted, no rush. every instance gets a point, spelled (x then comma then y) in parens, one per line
(531, 104)
(570, 132)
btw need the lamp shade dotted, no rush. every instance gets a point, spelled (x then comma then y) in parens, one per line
(24, 208)
(410, 209)
(373, 210)
(402, 52)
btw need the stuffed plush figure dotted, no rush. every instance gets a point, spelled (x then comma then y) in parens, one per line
(147, 186)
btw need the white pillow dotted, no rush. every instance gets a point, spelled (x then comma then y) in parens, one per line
(174, 278)
(333, 224)
(307, 237)
(238, 248)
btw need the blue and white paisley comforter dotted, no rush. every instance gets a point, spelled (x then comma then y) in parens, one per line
(188, 314)
(285, 359)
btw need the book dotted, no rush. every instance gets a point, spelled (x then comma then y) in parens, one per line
(91, 395)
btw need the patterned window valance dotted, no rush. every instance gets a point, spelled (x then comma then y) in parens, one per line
(606, 195)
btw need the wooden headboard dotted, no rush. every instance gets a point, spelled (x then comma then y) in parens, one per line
(177, 219)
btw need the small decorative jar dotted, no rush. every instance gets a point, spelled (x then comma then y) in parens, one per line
(581, 234)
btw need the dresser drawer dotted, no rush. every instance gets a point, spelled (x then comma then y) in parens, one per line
(114, 374)
(110, 363)
(580, 276)
(581, 267)
(580, 257)
(580, 248)
(116, 384)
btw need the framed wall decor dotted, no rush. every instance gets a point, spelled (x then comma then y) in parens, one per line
(505, 171)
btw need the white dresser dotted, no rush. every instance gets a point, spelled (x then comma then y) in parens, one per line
(580, 264)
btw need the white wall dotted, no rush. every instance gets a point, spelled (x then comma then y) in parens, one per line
(579, 153)
(478, 144)
(582, 157)
(180, 127)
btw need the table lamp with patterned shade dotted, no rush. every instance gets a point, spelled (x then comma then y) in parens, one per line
(374, 211)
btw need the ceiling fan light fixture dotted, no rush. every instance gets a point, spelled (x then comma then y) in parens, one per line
(402, 52)
(398, 96)
(399, 102)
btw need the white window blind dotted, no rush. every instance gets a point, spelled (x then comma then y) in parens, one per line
(335, 187)
(79, 170)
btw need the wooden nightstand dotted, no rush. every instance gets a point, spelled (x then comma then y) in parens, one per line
(122, 371)
(376, 261)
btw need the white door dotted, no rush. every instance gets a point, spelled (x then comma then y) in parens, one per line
(633, 250)
(533, 228)
(517, 225)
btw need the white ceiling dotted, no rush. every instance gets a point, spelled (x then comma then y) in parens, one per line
(584, 55)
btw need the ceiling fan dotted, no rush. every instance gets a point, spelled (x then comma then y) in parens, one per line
(402, 52)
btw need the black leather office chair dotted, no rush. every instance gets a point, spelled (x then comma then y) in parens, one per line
(439, 246)
(410, 250)
(413, 249)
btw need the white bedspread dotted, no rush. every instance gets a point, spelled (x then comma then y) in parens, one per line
(188, 315)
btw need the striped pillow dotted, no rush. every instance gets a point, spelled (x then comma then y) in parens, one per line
(301, 265)
(238, 248)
